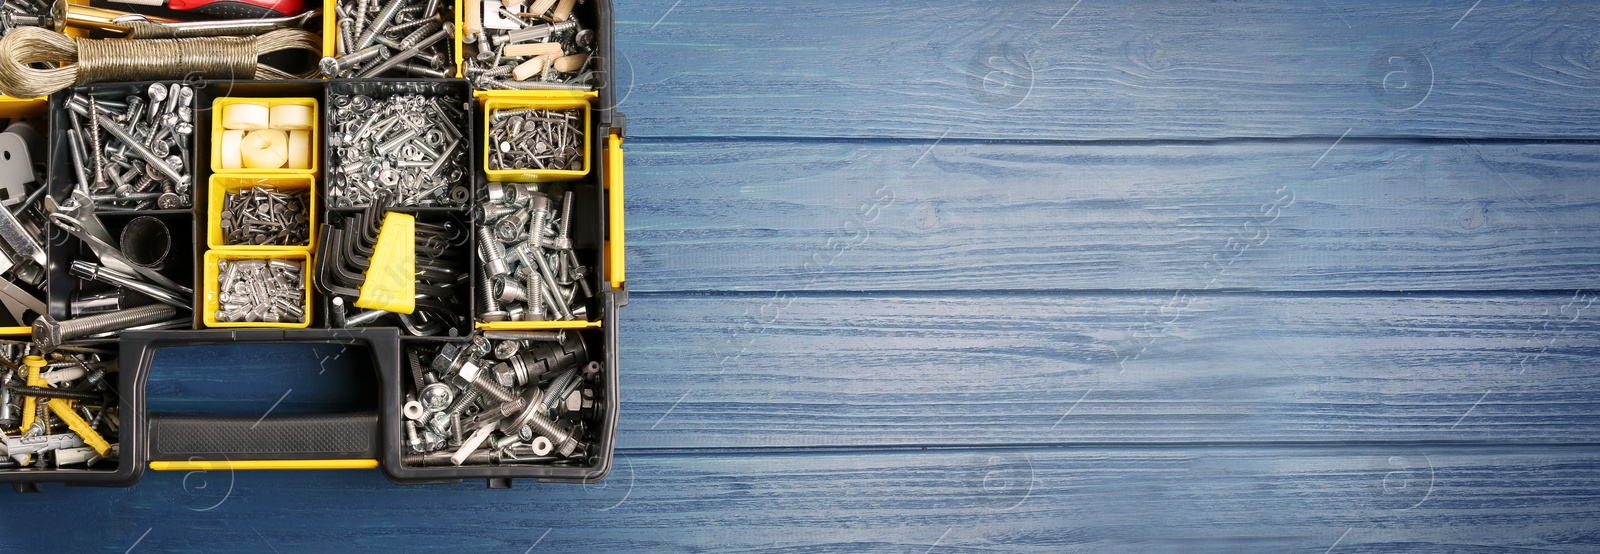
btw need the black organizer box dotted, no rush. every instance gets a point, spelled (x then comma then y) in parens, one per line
(365, 435)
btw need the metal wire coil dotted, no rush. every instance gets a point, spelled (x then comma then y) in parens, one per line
(84, 61)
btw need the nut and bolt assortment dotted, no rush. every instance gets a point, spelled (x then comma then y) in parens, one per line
(131, 151)
(466, 405)
(261, 291)
(544, 47)
(531, 138)
(378, 38)
(58, 410)
(529, 271)
(262, 216)
(408, 146)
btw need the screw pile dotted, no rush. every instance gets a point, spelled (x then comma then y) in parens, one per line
(529, 138)
(57, 410)
(133, 152)
(530, 271)
(261, 291)
(542, 48)
(540, 412)
(405, 145)
(263, 216)
(393, 39)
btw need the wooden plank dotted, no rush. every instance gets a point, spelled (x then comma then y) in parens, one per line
(922, 370)
(1375, 499)
(1260, 215)
(1109, 70)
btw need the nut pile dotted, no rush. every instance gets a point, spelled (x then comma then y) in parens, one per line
(501, 398)
(131, 151)
(392, 39)
(58, 410)
(405, 145)
(260, 291)
(541, 47)
(529, 138)
(529, 270)
(262, 216)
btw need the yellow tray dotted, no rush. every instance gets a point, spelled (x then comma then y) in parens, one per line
(221, 185)
(495, 100)
(216, 134)
(211, 301)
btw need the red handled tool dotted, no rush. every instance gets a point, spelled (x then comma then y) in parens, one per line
(228, 9)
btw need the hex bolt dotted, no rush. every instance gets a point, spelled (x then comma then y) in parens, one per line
(472, 375)
(49, 333)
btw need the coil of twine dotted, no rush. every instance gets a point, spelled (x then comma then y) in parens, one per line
(80, 60)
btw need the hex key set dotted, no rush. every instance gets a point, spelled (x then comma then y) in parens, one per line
(426, 204)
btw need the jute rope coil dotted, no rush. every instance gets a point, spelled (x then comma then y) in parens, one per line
(82, 60)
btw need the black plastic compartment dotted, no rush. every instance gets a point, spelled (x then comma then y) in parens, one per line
(467, 295)
(452, 91)
(130, 441)
(595, 468)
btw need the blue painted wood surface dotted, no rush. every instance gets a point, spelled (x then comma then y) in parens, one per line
(1045, 276)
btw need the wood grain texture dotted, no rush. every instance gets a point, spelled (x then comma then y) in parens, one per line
(1381, 499)
(1259, 215)
(1001, 369)
(1109, 70)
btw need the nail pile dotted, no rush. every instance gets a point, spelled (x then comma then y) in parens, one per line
(529, 138)
(262, 216)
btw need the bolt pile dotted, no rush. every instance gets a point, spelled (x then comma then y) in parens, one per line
(377, 39)
(529, 270)
(519, 398)
(405, 145)
(529, 138)
(260, 291)
(542, 48)
(262, 216)
(57, 410)
(131, 151)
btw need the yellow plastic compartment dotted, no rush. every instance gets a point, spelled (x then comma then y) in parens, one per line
(495, 100)
(216, 134)
(210, 301)
(221, 185)
(330, 33)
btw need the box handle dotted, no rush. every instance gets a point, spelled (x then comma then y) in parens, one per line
(616, 260)
(323, 441)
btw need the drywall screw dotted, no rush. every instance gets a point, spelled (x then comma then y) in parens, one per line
(378, 24)
(446, 31)
(49, 333)
(332, 66)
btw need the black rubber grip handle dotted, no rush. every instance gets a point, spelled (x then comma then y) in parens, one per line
(317, 437)
(173, 437)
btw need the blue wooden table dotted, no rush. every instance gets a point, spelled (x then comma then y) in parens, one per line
(1054, 276)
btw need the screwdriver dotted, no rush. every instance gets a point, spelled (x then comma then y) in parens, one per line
(228, 9)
